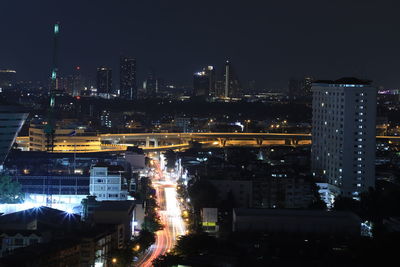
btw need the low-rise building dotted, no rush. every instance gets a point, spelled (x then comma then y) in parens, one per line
(106, 183)
(296, 222)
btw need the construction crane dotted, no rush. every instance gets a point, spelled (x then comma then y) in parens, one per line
(50, 125)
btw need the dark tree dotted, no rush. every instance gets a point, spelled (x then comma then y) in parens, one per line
(171, 158)
(10, 191)
(195, 244)
(167, 260)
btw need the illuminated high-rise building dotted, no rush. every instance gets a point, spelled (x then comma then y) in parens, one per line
(343, 136)
(104, 81)
(308, 80)
(300, 88)
(204, 82)
(232, 86)
(74, 82)
(127, 78)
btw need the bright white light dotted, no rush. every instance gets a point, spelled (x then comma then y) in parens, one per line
(69, 210)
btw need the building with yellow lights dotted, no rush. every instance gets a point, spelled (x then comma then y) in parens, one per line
(66, 139)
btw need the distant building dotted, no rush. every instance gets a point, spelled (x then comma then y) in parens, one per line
(209, 220)
(127, 78)
(284, 191)
(311, 222)
(232, 87)
(135, 157)
(7, 79)
(343, 135)
(106, 184)
(105, 119)
(308, 80)
(183, 124)
(150, 85)
(74, 83)
(120, 213)
(104, 81)
(300, 88)
(66, 139)
(204, 82)
(12, 118)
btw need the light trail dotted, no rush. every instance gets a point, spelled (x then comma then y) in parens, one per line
(170, 216)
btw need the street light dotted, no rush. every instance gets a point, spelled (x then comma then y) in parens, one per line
(114, 260)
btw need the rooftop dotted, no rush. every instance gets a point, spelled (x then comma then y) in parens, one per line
(115, 205)
(294, 212)
(345, 80)
(42, 214)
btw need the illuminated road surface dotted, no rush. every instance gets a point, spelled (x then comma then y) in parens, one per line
(170, 215)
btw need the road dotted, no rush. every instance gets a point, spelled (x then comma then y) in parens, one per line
(170, 215)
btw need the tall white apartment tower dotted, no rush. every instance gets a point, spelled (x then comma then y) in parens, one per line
(343, 135)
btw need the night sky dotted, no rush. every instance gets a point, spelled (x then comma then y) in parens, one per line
(267, 41)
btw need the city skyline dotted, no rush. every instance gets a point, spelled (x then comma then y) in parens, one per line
(199, 133)
(261, 39)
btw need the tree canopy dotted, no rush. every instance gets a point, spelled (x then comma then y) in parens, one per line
(10, 191)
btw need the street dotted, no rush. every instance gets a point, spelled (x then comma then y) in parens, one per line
(170, 215)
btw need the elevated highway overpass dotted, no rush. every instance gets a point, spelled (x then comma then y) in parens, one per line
(155, 140)
(163, 141)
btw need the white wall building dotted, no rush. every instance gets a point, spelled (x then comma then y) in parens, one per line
(106, 185)
(343, 134)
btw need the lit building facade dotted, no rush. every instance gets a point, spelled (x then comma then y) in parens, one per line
(105, 119)
(204, 82)
(74, 83)
(106, 184)
(65, 140)
(343, 136)
(300, 88)
(104, 81)
(232, 87)
(127, 79)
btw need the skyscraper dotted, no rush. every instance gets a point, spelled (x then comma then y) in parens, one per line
(104, 81)
(308, 80)
(204, 82)
(343, 136)
(300, 88)
(150, 85)
(127, 78)
(74, 82)
(232, 86)
(210, 71)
